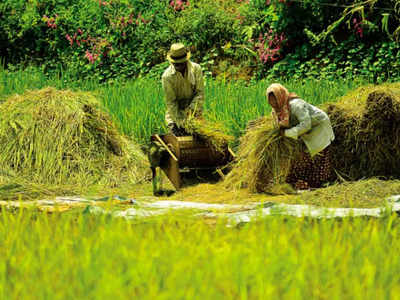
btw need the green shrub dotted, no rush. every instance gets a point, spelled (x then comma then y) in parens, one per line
(377, 62)
(103, 40)
(108, 39)
(330, 39)
(96, 39)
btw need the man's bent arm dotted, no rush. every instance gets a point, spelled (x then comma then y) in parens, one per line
(170, 101)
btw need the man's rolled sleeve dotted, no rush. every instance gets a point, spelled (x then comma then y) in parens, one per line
(170, 100)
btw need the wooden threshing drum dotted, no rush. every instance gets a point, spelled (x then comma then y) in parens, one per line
(190, 153)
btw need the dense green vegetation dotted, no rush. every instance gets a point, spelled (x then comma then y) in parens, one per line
(79, 256)
(243, 39)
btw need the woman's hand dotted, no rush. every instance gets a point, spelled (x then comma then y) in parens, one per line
(282, 131)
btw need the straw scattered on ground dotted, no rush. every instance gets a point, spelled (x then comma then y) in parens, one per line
(363, 193)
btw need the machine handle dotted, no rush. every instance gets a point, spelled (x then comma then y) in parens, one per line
(166, 147)
(231, 152)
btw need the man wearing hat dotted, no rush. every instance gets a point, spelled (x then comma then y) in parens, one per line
(183, 87)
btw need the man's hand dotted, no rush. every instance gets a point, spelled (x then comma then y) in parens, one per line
(175, 130)
(172, 127)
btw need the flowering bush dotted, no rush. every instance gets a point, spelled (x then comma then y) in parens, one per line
(103, 39)
(98, 39)
(179, 5)
(269, 47)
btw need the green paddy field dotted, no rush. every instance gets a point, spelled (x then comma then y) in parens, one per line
(73, 255)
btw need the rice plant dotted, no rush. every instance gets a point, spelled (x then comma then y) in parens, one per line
(138, 107)
(77, 256)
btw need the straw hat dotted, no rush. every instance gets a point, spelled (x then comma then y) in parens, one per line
(178, 53)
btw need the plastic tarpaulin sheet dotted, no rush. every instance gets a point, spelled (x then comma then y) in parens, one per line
(233, 213)
(254, 211)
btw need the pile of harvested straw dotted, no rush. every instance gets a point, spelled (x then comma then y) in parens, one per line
(366, 123)
(264, 159)
(213, 133)
(62, 137)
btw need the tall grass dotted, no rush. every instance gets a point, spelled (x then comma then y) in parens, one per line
(84, 257)
(77, 256)
(138, 106)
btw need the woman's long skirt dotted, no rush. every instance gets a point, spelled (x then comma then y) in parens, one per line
(311, 172)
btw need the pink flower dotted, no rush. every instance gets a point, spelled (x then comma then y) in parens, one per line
(103, 3)
(357, 27)
(130, 21)
(91, 58)
(68, 37)
(269, 46)
(179, 5)
(50, 22)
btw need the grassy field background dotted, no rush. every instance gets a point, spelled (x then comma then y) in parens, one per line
(138, 106)
(83, 257)
(79, 256)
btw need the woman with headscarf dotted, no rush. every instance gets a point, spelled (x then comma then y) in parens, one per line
(298, 119)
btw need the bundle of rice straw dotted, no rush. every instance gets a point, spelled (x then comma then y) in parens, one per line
(211, 132)
(57, 137)
(264, 158)
(366, 123)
